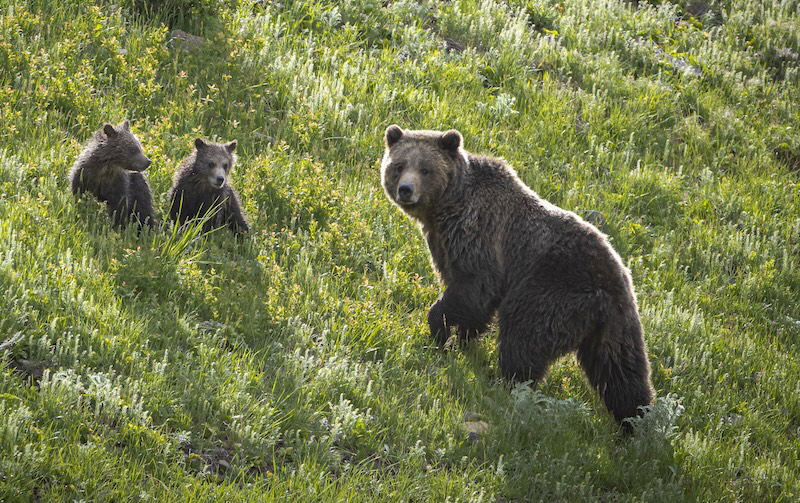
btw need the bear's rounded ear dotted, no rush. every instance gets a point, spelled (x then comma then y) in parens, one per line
(199, 144)
(393, 134)
(230, 147)
(126, 125)
(451, 140)
(109, 130)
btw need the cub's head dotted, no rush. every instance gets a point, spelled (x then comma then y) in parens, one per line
(213, 161)
(419, 166)
(118, 146)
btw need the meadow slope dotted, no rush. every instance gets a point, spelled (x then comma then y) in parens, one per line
(295, 363)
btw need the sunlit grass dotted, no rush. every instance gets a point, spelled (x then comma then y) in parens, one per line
(295, 362)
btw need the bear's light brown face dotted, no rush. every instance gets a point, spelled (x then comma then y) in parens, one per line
(214, 161)
(417, 167)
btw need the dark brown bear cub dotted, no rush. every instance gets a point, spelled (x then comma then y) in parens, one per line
(554, 281)
(202, 183)
(110, 167)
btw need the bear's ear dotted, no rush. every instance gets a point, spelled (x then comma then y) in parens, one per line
(199, 144)
(393, 134)
(451, 140)
(230, 147)
(109, 130)
(126, 125)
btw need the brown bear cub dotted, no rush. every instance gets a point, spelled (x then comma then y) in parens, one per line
(202, 182)
(554, 281)
(110, 167)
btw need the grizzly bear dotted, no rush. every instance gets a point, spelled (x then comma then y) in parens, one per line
(202, 183)
(553, 279)
(110, 167)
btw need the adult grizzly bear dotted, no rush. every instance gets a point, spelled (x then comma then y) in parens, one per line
(202, 182)
(554, 280)
(110, 167)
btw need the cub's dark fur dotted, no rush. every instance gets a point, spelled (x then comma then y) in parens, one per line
(554, 281)
(202, 182)
(110, 167)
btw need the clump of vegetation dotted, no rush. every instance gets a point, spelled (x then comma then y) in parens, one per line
(178, 13)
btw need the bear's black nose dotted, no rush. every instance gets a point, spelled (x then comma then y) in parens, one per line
(220, 180)
(405, 191)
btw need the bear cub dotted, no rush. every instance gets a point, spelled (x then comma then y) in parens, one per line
(110, 167)
(555, 283)
(202, 182)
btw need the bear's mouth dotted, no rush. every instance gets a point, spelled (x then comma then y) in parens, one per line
(138, 167)
(407, 200)
(407, 203)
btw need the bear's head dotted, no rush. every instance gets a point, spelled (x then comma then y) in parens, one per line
(118, 146)
(214, 161)
(419, 166)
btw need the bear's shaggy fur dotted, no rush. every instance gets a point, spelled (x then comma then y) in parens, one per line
(554, 281)
(202, 183)
(110, 167)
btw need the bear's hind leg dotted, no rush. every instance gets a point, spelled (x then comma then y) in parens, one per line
(615, 361)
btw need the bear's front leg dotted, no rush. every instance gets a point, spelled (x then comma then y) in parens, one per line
(459, 306)
(76, 181)
(118, 208)
(236, 220)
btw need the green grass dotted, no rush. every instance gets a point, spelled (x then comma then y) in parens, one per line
(296, 362)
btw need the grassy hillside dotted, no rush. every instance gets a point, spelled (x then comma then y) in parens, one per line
(296, 362)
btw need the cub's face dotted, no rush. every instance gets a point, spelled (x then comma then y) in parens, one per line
(122, 148)
(214, 162)
(418, 166)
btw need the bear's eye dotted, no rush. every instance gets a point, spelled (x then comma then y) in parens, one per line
(225, 166)
(211, 165)
(399, 168)
(425, 171)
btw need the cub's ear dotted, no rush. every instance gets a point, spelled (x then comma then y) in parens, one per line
(199, 144)
(451, 140)
(230, 147)
(126, 125)
(109, 130)
(393, 134)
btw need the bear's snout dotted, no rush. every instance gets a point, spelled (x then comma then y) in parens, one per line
(140, 163)
(405, 191)
(216, 178)
(406, 194)
(217, 181)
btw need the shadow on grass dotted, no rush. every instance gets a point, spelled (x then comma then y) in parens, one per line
(561, 449)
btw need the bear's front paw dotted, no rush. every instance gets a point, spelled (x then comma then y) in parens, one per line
(438, 324)
(465, 334)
